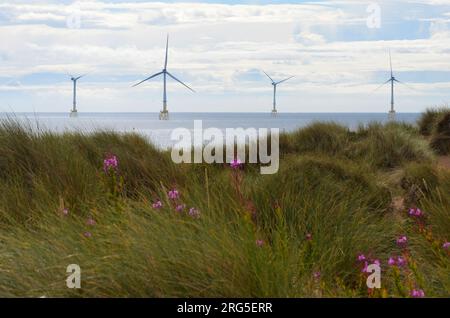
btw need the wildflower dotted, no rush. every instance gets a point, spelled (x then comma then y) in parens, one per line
(259, 243)
(308, 236)
(317, 275)
(110, 163)
(446, 245)
(417, 293)
(402, 241)
(193, 212)
(236, 164)
(361, 258)
(415, 212)
(87, 234)
(180, 207)
(392, 261)
(173, 194)
(401, 261)
(91, 221)
(65, 211)
(376, 262)
(157, 205)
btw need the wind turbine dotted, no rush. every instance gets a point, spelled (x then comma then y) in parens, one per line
(164, 114)
(275, 84)
(74, 112)
(392, 80)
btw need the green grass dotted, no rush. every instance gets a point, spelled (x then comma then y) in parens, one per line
(332, 185)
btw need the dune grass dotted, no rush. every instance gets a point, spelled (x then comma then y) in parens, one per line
(229, 232)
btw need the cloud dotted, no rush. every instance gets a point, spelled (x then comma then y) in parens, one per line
(216, 48)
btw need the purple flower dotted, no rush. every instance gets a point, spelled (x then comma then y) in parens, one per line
(193, 212)
(392, 261)
(317, 275)
(402, 241)
(173, 194)
(65, 211)
(401, 261)
(259, 243)
(446, 245)
(361, 258)
(180, 207)
(87, 234)
(415, 212)
(236, 164)
(157, 205)
(91, 221)
(417, 293)
(110, 163)
(377, 262)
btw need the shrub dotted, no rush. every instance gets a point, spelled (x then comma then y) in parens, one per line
(440, 140)
(427, 121)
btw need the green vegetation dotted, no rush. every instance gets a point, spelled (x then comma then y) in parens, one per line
(226, 232)
(435, 123)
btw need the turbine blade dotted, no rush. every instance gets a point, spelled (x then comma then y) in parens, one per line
(269, 77)
(148, 78)
(167, 52)
(390, 62)
(406, 85)
(381, 85)
(81, 76)
(284, 80)
(180, 81)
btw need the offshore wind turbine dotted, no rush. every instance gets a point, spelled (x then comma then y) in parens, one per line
(392, 80)
(275, 84)
(74, 111)
(164, 114)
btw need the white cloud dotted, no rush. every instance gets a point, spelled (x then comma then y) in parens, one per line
(210, 44)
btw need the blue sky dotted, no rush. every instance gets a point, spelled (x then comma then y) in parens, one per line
(335, 50)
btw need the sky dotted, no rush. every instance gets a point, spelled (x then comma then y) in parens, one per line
(338, 52)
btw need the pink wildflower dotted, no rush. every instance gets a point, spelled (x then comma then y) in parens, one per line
(110, 163)
(317, 275)
(402, 241)
(65, 211)
(180, 207)
(415, 212)
(87, 234)
(193, 212)
(309, 237)
(401, 261)
(392, 261)
(157, 205)
(417, 293)
(236, 164)
(173, 194)
(91, 221)
(446, 245)
(259, 243)
(361, 258)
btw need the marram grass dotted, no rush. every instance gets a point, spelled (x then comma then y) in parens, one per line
(140, 226)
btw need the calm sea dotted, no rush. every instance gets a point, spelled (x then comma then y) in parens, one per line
(159, 132)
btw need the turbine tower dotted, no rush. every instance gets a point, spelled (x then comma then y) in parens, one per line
(392, 80)
(275, 84)
(164, 114)
(74, 112)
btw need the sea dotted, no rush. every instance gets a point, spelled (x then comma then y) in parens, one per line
(159, 132)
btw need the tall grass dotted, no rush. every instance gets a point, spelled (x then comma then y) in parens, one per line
(293, 234)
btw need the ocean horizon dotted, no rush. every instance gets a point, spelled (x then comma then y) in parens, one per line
(149, 125)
